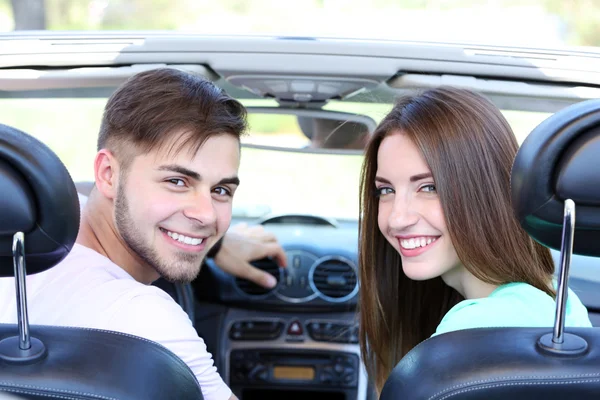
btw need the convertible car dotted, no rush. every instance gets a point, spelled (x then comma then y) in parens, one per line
(312, 104)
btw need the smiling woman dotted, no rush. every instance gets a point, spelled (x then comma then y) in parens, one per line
(440, 248)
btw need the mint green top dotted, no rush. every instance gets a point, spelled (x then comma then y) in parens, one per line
(513, 305)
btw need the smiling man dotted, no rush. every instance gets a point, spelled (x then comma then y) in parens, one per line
(165, 175)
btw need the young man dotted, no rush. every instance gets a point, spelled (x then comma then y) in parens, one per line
(165, 175)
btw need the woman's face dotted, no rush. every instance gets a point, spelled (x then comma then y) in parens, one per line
(410, 213)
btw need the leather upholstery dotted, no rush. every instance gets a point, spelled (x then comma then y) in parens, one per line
(92, 364)
(494, 364)
(560, 159)
(38, 198)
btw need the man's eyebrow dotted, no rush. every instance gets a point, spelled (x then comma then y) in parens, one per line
(418, 177)
(234, 180)
(180, 170)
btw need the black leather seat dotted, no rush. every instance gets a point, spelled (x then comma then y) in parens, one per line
(38, 198)
(555, 188)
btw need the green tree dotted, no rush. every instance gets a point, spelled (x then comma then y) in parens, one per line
(582, 18)
(29, 14)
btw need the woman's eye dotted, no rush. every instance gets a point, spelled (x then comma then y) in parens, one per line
(428, 188)
(177, 182)
(383, 191)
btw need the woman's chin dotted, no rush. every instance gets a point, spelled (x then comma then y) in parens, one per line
(417, 272)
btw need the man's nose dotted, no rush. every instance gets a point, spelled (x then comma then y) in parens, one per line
(404, 214)
(201, 208)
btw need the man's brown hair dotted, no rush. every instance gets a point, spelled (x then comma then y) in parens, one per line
(142, 114)
(470, 148)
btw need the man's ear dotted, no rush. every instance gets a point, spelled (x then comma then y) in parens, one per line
(106, 172)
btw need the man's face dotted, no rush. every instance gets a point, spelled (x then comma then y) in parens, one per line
(171, 208)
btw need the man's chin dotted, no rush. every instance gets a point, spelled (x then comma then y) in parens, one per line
(181, 271)
(181, 276)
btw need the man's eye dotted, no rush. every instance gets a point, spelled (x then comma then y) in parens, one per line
(430, 188)
(222, 191)
(177, 182)
(383, 191)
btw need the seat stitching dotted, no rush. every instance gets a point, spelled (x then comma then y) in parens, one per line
(514, 384)
(515, 377)
(60, 395)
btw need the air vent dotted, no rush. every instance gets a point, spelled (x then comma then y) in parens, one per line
(334, 279)
(256, 330)
(251, 288)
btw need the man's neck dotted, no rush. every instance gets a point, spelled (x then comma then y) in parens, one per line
(97, 231)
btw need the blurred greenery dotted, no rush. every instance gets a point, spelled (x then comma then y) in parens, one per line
(286, 181)
(578, 19)
(322, 184)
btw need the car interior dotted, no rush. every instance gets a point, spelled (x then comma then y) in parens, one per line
(312, 103)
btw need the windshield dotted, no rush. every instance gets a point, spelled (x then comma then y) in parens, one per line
(544, 23)
(273, 181)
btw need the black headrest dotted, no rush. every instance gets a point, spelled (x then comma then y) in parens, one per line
(560, 160)
(38, 198)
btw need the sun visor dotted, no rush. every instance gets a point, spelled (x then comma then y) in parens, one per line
(87, 77)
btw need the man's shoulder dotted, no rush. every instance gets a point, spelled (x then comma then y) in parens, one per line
(103, 271)
(88, 281)
(84, 259)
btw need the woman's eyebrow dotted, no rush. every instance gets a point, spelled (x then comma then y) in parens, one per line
(419, 177)
(382, 180)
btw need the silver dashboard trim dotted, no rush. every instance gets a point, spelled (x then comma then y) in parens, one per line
(297, 300)
(324, 296)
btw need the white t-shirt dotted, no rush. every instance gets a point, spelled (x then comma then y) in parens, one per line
(88, 290)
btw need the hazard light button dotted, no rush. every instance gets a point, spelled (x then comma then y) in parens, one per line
(295, 329)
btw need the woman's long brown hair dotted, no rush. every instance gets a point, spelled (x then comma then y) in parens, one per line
(470, 148)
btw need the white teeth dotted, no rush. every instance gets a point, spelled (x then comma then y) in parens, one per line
(184, 239)
(413, 243)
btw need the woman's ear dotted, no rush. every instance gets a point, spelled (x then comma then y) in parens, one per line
(106, 172)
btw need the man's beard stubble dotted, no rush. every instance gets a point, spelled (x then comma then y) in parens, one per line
(183, 270)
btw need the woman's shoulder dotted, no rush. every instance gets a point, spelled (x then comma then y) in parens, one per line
(476, 313)
(513, 304)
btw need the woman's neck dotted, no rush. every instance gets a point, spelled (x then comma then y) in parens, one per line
(467, 284)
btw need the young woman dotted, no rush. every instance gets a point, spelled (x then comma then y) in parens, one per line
(440, 248)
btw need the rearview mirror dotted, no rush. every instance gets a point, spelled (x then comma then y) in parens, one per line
(307, 130)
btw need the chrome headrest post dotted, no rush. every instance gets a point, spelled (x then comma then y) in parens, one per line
(18, 251)
(566, 251)
(558, 342)
(22, 348)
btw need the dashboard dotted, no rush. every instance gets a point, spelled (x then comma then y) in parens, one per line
(322, 271)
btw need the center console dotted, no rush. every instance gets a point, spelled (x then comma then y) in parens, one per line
(270, 356)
